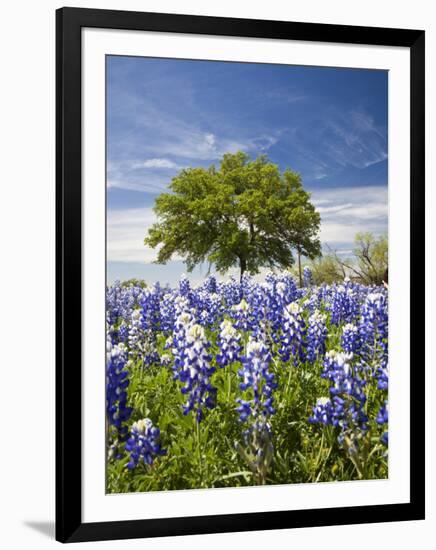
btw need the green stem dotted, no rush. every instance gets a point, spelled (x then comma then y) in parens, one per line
(229, 383)
(200, 462)
(288, 383)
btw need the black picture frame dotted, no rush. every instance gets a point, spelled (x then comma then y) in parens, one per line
(69, 525)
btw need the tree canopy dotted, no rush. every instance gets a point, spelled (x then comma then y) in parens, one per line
(244, 213)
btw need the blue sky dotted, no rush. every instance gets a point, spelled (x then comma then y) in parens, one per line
(328, 124)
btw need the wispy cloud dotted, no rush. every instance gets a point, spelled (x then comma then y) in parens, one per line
(334, 140)
(350, 210)
(144, 184)
(286, 95)
(126, 230)
(158, 163)
(179, 151)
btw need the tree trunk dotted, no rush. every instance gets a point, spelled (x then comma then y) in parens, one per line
(299, 267)
(243, 266)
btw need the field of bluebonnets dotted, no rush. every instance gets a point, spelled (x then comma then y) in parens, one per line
(245, 383)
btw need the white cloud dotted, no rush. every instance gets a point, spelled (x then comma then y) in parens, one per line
(146, 185)
(350, 210)
(210, 140)
(157, 163)
(126, 230)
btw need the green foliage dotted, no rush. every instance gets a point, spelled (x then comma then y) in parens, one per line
(372, 257)
(245, 213)
(326, 269)
(134, 282)
(370, 262)
(368, 265)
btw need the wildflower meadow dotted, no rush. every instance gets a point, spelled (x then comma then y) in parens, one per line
(239, 383)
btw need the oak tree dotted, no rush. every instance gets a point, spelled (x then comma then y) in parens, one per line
(245, 213)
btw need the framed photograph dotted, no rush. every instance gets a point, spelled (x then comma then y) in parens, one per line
(240, 274)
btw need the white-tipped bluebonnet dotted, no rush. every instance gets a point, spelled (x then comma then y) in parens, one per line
(322, 412)
(350, 339)
(344, 302)
(316, 336)
(142, 342)
(229, 344)
(120, 301)
(165, 359)
(255, 410)
(192, 365)
(117, 381)
(209, 307)
(241, 314)
(373, 329)
(293, 333)
(143, 444)
(257, 378)
(280, 291)
(135, 333)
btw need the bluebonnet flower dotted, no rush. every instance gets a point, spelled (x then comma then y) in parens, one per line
(257, 378)
(346, 407)
(120, 301)
(383, 418)
(241, 314)
(165, 359)
(307, 277)
(316, 336)
(167, 311)
(142, 343)
(323, 412)
(135, 334)
(255, 412)
(350, 339)
(210, 307)
(117, 381)
(311, 301)
(192, 365)
(255, 296)
(280, 291)
(293, 333)
(229, 343)
(231, 292)
(344, 303)
(373, 328)
(210, 284)
(123, 332)
(184, 287)
(144, 326)
(150, 308)
(382, 376)
(143, 443)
